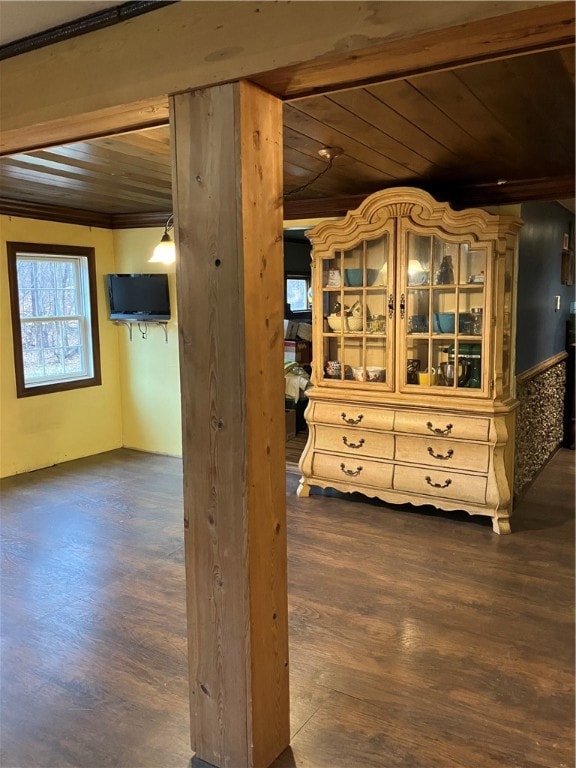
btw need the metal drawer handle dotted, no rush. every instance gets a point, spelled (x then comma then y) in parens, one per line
(438, 431)
(437, 485)
(352, 421)
(350, 472)
(449, 454)
(359, 444)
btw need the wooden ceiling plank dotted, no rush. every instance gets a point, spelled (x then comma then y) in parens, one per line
(550, 89)
(546, 27)
(156, 139)
(121, 186)
(96, 156)
(343, 121)
(46, 192)
(341, 175)
(44, 162)
(403, 96)
(299, 121)
(535, 136)
(368, 106)
(70, 199)
(451, 96)
(566, 55)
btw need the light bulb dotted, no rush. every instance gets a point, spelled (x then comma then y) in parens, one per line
(165, 251)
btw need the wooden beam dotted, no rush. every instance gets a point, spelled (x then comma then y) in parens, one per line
(148, 113)
(185, 45)
(227, 156)
(513, 34)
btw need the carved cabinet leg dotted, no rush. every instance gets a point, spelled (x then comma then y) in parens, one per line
(303, 488)
(501, 524)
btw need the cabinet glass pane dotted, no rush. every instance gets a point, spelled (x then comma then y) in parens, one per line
(417, 364)
(445, 262)
(458, 365)
(472, 265)
(419, 259)
(444, 311)
(470, 312)
(376, 309)
(418, 311)
(354, 307)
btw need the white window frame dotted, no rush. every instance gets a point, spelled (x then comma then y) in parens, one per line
(83, 263)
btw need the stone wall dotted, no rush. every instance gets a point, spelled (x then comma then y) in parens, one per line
(539, 422)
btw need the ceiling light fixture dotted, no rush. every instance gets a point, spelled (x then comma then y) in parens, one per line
(165, 251)
(326, 153)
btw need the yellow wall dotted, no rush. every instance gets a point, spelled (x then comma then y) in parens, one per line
(47, 429)
(150, 379)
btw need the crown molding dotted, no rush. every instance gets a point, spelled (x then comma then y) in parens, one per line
(30, 210)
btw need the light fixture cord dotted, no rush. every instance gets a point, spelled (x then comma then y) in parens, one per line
(312, 180)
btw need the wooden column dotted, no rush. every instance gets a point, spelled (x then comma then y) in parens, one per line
(227, 152)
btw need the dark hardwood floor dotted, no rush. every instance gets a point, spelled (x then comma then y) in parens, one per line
(417, 639)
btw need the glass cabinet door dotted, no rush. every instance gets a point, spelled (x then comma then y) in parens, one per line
(442, 323)
(355, 295)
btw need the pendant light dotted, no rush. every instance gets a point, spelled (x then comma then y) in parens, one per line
(165, 251)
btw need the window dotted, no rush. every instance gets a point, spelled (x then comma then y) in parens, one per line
(54, 317)
(298, 296)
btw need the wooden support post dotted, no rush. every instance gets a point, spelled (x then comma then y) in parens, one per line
(227, 152)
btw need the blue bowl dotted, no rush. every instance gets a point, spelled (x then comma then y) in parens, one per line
(444, 322)
(353, 277)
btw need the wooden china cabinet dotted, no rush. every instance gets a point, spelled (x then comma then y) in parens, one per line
(413, 374)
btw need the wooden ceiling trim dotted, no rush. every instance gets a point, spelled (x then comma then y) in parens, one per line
(458, 195)
(31, 210)
(65, 215)
(140, 220)
(105, 122)
(536, 29)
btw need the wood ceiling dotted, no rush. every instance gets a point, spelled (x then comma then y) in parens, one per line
(500, 131)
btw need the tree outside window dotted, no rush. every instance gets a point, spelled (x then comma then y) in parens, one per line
(54, 317)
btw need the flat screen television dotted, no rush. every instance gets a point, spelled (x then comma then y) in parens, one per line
(139, 297)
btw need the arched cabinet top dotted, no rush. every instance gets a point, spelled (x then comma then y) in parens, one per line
(368, 220)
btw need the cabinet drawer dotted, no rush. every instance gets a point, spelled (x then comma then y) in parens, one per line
(437, 483)
(354, 441)
(442, 454)
(442, 425)
(355, 416)
(355, 470)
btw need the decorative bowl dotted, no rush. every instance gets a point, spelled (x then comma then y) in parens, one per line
(444, 322)
(353, 277)
(350, 323)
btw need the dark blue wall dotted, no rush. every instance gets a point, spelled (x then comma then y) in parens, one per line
(541, 331)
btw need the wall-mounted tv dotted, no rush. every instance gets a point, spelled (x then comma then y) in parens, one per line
(139, 297)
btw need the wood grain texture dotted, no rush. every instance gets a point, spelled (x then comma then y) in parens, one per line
(227, 163)
(513, 34)
(417, 640)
